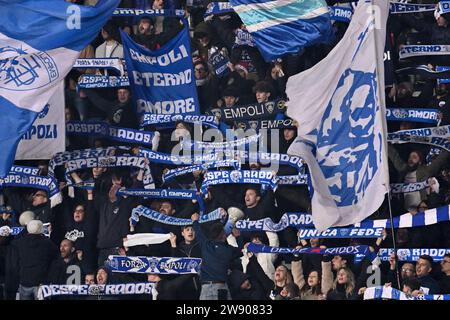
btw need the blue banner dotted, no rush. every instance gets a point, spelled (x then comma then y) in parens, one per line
(156, 265)
(266, 124)
(413, 254)
(443, 69)
(162, 81)
(253, 111)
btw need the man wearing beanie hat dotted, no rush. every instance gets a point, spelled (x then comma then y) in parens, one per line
(34, 253)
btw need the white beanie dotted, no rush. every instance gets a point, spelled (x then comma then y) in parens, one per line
(35, 227)
(26, 217)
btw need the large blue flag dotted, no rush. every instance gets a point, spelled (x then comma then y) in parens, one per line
(340, 110)
(162, 80)
(39, 43)
(285, 26)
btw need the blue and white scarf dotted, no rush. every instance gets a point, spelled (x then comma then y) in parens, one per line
(244, 38)
(25, 170)
(62, 157)
(240, 177)
(172, 174)
(390, 293)
(443, 7)
(111, 162)
(47, 291)
(426, 72)
(299, 179)
(342, 14)
(399, 8)
(165, 194)
(443, 143)
(95, 82)
(47, 183)
(340, 233)
(295, 220)
(215, 8)
(442, 69)
(103, 129)
(155, 265)
(407, 220)
(219, 63)
(438, 136)
(266, 124)
(408, 187)
(166, 158)
(413, 114)
(165, 219)
(6, 231)
(164, 120)
(253, 111)
(353, 250)
(100, 63)
(220, 146)
(413, 254)
(409, 51)
(125, 12)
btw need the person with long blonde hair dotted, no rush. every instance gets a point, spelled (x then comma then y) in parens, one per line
(344, 287)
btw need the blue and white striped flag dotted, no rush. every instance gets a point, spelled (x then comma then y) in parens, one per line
(39, 43)
(281, 27)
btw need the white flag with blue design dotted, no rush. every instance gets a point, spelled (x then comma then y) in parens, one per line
(39, 43)
(340, 110)
(281, 27)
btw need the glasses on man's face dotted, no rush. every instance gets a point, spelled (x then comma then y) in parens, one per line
(407, 270)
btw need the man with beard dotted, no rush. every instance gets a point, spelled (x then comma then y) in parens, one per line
(415, 170)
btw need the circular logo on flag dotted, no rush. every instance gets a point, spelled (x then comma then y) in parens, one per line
(402, 254)
(235, 176)
(22, 71)
(401, 114)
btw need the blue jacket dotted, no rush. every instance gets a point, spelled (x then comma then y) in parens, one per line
(217, 257)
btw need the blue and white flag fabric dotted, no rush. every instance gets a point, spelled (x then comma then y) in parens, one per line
(103, 129)
(117, 289)
(409, 51)
(290, 219)
(162, 81)
(155, 265)
(139, 211)
(352, 250)
(413, 114)
(407, 220)
(46, 136)
(383, 292)
(340, 233)
(341, 132)
(148, 119)
(285, 26)
(39, 43)
(213, 178)
(88, 81)
(413, 254)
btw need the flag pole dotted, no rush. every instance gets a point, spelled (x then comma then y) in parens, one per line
(381, 98)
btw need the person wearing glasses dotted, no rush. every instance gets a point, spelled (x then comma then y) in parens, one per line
(408, 271)
(445, 280)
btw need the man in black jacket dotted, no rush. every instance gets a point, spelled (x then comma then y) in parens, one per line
(35, 254)
(190, 248)
(65, 265)
(244, 288)
(218, 257)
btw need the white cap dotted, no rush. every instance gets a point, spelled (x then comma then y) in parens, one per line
(35, 227)
(26, 217)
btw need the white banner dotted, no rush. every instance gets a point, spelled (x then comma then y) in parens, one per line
(47, 135)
